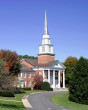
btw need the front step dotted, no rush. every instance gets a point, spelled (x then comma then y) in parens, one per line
(60, 89)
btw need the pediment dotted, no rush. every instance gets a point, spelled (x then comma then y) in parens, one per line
(58, 64)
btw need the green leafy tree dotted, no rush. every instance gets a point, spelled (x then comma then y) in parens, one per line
(70, 64)
(78, 91)
(27, 56)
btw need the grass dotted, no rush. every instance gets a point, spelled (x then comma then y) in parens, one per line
(62, 100)
(10, 105)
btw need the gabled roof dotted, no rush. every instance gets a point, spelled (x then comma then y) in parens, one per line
(36, 64)
(26, 68)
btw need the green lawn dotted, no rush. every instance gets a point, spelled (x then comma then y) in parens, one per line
(62, 100)
(10, 105)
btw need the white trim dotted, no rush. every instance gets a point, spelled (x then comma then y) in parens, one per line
(49, 76)
(28, 83)
(63, 79)
(25, 83)
(24, 75)
(53, 78)
(59, 79)
(29, 75)
(43, 75)
(21, 74)
(40, 73)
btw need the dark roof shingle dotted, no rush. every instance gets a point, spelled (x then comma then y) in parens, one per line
(35, 62)
(26, 68)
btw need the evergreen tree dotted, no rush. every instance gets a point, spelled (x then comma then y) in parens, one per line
(78, 91)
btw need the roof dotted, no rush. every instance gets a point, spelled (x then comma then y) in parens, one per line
(26, 68)
(35, 62)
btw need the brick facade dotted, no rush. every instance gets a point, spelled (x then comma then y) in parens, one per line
(45, 58)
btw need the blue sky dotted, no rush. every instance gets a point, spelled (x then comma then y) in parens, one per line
(22, 26)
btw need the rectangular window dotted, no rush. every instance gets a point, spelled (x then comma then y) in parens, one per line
(29, 83)
(24, 75)
(40, 73)
(24, 83)
(19, 75)
(29, 75)
(34, 75)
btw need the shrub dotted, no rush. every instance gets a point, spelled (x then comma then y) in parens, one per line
(6, 93)
(51, 89)
(78, 91)
(45, 86)
(26, 88)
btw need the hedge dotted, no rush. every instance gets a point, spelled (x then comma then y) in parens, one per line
(6, 93)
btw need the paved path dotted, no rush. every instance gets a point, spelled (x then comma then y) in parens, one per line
(41, 101)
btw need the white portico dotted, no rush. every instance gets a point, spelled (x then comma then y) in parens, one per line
(55, 76)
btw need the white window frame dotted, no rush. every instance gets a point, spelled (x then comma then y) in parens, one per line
(24, 75)
(29, 75)
(19, 75)
(40, 73)
(25, 83)
(29, 82)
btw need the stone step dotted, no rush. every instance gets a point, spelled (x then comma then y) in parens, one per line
(60, 89)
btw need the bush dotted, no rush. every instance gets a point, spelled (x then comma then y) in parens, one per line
(45, 86)
(19, 90)
(51, 89)
(26, 88)
(6, 93)
(78, 91)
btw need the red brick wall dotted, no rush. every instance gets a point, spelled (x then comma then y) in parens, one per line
(45, 58)
(27, 79)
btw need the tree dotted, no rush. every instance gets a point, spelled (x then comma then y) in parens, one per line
(38, 79)
(78, 91)
(6, 81)
(12, 61)
(70, 64)
(27, 56)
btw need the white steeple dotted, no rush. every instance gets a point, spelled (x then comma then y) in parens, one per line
(45, 25)
(46, 47)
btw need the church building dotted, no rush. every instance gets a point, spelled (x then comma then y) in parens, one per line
(52, 71)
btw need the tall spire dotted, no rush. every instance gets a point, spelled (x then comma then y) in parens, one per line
(45, 25)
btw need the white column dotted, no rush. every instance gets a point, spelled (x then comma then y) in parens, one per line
(59, 79)
(63, 79)
(53, 78)
(49, 76)
(43, 76)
